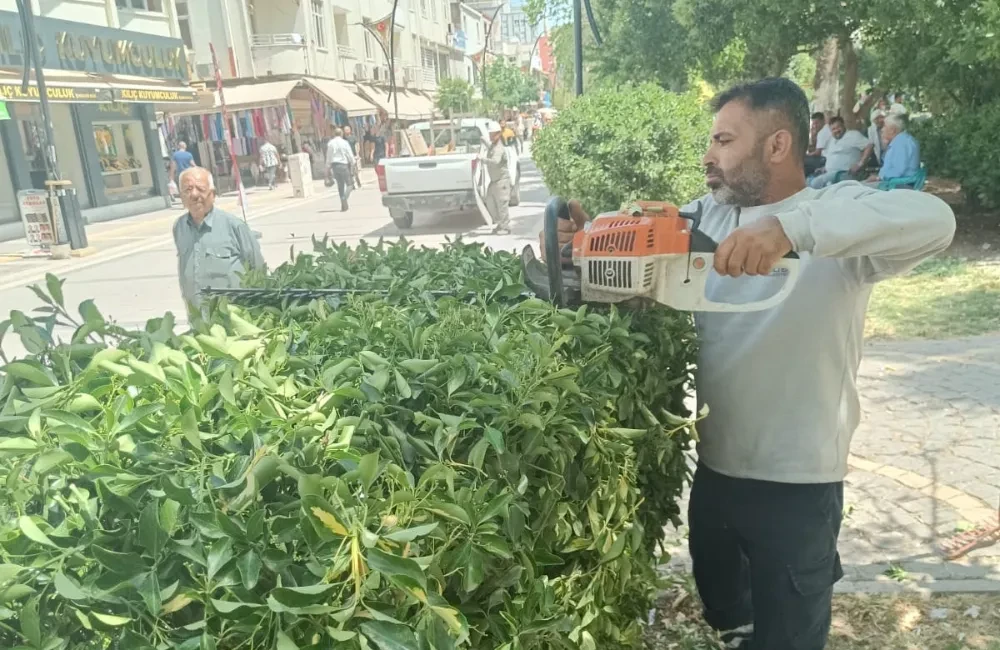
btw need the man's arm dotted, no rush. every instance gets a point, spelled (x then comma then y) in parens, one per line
(249, 248)
(891, 231)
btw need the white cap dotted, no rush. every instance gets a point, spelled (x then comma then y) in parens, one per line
(493, 127)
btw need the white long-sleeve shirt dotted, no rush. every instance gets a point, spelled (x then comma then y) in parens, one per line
(780, 384)
(339, 151)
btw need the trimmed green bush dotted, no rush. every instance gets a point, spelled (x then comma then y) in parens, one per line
(953, 146)
(613, 146)
(401, 472)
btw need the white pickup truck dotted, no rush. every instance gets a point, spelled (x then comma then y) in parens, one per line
(444, 181)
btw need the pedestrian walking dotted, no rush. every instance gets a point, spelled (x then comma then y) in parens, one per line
(498, 192)
(352, 140)
(340, 158)
(180, 161)
(377, 142)
(269, 161)
(213, 246)
(767, 499)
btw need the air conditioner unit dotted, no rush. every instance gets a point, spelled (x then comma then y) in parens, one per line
(360, 72)
(381, 73)
(409, 76)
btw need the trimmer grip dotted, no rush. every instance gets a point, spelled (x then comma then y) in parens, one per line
(556, 209)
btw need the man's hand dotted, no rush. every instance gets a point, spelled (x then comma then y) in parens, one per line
(855, 169)
(753, 249)
(872, 178)
(567, 227)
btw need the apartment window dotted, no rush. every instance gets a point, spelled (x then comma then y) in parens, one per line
(142, 5)
(340, 29)
(434, 10)
(184, 22)
(369, 46)
(319, 23)
(423, 8)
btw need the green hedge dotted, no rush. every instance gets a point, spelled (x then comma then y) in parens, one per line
(408, 472)
(956, 146)
(612, 146)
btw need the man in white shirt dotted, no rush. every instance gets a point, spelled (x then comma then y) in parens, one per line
(341, 159)
(842, 154)
(872, 155)
(768, 495)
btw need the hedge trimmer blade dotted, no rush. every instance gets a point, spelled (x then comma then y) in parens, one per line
(982, 536)
(276, 296)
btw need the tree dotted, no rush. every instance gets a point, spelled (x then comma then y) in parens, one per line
(455, 96)
(507, 85)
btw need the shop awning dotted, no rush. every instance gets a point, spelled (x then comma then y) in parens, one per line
(342, 96)
(248, 96)
(410, 109)
(425, 104)
(67, 86)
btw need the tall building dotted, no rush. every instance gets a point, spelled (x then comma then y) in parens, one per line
(111, 67)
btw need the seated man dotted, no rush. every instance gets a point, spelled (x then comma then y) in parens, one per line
(819, 137)
(842, 153)
(901, 152)
(872, 156)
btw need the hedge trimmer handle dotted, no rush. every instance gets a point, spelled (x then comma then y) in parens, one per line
(556, 209)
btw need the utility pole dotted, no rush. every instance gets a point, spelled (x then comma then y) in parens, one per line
(578, 45)
(71, 227)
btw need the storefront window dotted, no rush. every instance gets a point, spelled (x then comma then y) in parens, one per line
(124, 159)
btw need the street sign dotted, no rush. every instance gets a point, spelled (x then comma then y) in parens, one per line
(38, 227)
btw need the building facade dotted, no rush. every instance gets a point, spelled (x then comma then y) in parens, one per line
(110, 66)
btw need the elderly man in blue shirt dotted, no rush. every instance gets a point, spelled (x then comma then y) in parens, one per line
(901, 155)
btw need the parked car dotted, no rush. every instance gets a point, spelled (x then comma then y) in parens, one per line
(445, 180)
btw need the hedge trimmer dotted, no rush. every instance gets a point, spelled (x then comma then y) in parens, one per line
(651, 251)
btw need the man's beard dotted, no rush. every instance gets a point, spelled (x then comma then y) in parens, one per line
(745, 185)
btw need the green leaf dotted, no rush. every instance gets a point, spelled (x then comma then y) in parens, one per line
(302, 596)
(226, 388)
(228, 607)
(393, 565)
(127, 564)
(18, 445)
(33, 532)
(451, 511)
(28, 372)
(249, 568)
(390, 636)
(457, 379)
(285, 642)
(151, 533)
(68, 588)
(30, 624)
(473, 571)
(368, 469)
(149, 588)
(410, 534)
(137, 414)
(402, 386)
(55, 287)
(51, 460)
(110, 620)
(219, 555)
(189, 427)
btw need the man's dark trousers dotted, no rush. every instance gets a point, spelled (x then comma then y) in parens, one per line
(342, 174)
(766, 553)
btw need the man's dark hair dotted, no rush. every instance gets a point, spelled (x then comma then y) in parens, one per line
(819, 115)
(836, 119)
(779, 96)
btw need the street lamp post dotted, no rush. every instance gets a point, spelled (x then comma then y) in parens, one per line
(71, 228)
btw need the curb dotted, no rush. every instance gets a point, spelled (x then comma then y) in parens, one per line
(972, 586)
(969, 508)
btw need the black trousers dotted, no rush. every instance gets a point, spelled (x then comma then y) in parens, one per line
(766, 553)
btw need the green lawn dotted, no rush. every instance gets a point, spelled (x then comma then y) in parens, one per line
(943, 298)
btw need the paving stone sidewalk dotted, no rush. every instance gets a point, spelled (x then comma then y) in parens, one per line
(925, 463)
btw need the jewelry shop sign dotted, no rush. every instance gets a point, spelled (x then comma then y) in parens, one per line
(82, 47)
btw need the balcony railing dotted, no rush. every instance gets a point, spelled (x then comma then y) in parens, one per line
(347, 52)
(278, 40)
